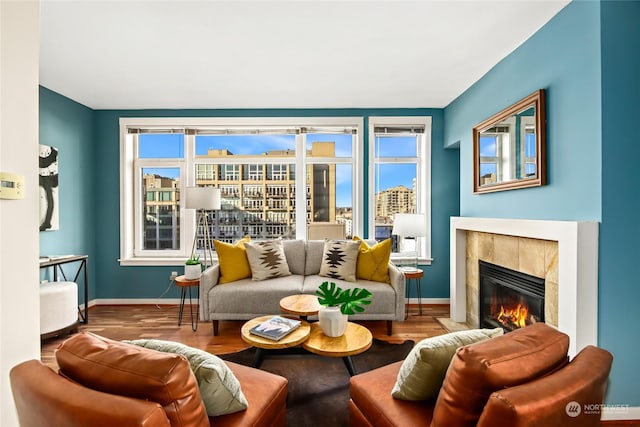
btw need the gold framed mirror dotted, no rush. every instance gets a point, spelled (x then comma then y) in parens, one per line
(509, 148)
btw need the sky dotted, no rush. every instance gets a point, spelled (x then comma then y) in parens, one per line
(387, 175)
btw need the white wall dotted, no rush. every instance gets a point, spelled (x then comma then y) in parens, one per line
(19, 245)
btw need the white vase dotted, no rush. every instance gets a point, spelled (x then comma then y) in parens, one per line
(332, 322)
(192, 271)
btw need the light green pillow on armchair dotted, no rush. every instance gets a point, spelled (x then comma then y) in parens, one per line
(219, 388)
(423, 370)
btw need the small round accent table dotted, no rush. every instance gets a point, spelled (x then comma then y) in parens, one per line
(302, 305)
(415, 274)
(291, 340)
(185, 285)
(356, 339)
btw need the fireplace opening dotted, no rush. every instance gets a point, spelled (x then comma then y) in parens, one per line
(509, 299)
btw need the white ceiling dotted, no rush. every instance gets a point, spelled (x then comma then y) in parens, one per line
(109, 54)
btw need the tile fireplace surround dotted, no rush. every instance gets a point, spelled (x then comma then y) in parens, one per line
(575, 273)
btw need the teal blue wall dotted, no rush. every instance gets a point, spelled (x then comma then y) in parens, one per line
(101, 169)
(563, 58)
(115, 281)
(67, 125)
(586, 59)
(620, 229)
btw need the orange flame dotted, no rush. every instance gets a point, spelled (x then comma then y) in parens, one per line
(513, 316)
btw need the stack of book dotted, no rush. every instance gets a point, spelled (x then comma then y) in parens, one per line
(275, 328)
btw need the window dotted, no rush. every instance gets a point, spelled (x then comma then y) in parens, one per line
(253, 162)
(399, 181)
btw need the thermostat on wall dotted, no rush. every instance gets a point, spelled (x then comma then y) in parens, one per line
(11, 186)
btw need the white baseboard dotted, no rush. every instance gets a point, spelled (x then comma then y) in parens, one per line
(136, 301)
(619, 412)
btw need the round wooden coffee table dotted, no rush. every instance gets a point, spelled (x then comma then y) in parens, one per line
(302, 305)
(293, 339)
(356, 339)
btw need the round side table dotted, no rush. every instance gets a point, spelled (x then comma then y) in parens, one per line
(415, 274)
(303, 305)
(185, 285)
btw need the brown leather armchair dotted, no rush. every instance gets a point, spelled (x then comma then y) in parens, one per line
(522, 378)
(107, 383)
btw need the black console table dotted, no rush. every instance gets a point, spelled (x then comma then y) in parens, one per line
(58, 262)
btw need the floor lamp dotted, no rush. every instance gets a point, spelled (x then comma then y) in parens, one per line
(202, 199)
(409, 226)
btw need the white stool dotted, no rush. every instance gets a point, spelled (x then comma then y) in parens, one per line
(58, 308)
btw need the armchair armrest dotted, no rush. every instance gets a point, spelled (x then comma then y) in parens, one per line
(208, 279)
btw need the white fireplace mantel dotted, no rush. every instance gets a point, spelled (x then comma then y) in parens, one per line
(577, 269)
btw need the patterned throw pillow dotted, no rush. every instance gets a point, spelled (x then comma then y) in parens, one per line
(233, 261)
(267, 260)
(373, 261)
(339, 259)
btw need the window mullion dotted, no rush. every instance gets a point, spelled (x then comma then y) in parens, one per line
(301, 186)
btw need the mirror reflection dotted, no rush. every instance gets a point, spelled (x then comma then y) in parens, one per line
(508, 147)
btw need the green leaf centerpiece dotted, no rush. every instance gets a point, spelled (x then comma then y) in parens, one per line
(350, 301)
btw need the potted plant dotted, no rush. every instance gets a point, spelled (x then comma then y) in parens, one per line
(192, 268)
(338, 304)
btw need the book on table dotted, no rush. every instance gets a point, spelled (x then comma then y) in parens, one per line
(275, 328)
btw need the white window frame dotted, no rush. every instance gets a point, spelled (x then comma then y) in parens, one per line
(423, 176)
(131, 204)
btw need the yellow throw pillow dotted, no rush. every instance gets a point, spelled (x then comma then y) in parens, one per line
(233, 261)
(373, 261)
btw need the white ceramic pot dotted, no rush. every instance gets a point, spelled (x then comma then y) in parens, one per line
(332, 322)
(192, 272)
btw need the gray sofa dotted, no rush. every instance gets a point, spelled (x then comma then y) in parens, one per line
(245, 299)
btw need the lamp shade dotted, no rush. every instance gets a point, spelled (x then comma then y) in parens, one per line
(409, 225)
(207, 198)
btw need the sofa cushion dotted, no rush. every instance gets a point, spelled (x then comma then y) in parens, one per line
(233, 261)
(478, 370)
(219, 388)
(128, 370)
(424, 368)
(245, 299)
(339, 259)
(373, 261)
(315, 249)
(267, 260)
(294, 252)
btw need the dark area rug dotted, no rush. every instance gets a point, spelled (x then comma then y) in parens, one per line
(318, 390)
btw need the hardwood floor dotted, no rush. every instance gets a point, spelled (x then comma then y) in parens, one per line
(161, 322)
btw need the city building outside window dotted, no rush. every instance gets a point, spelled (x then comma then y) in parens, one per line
(244, 158)
(399, 181)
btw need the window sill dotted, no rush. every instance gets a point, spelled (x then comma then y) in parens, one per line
(142, 261)
(400, 260)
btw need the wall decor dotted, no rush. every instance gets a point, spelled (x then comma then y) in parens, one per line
(49, 213)
(509, 148)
